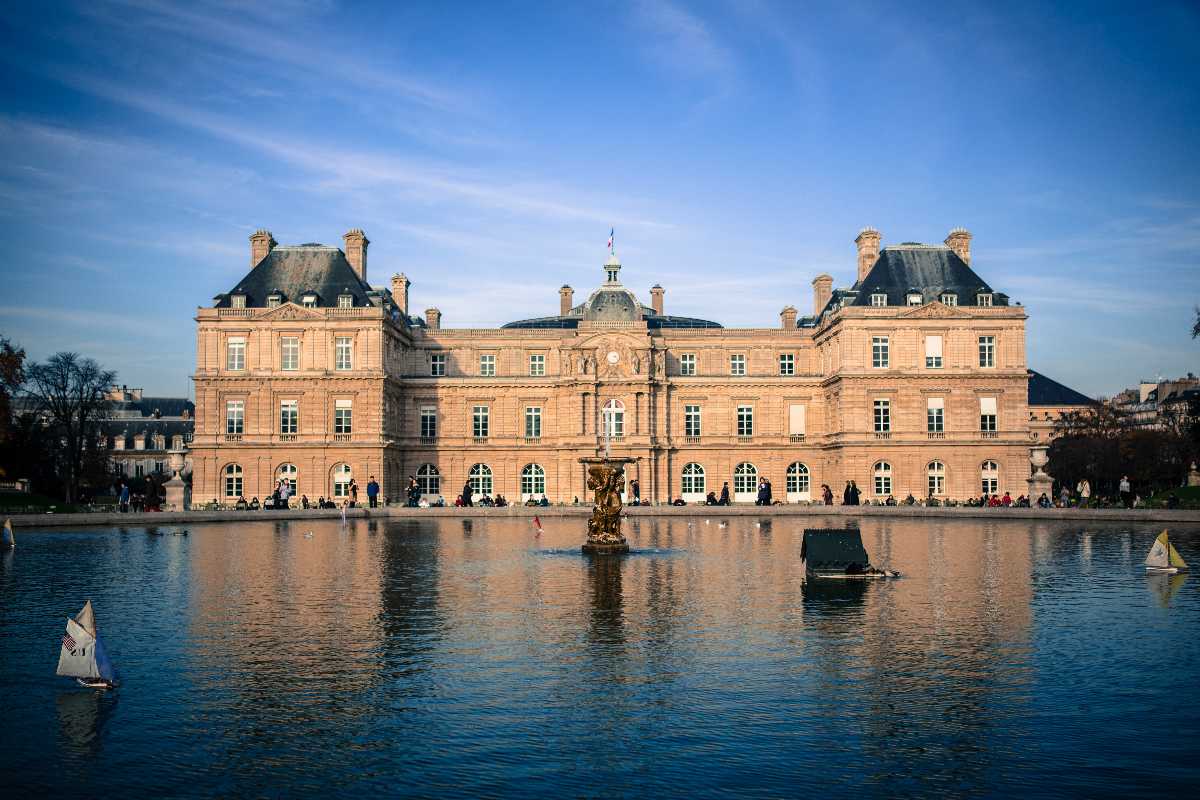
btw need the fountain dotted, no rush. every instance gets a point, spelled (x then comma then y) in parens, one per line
(606, 477)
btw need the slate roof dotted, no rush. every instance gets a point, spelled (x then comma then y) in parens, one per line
(1045, 391)
(931, 270)
(296, 270)
(129, 428)
(653, 321)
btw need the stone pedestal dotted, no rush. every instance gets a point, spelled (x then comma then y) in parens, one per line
(606, 477)
(176, 494)
(1193, 478)
(1040, 483)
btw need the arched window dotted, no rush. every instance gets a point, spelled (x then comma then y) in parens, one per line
(691, 485)
(341, 480)
(614, 419)
(798, 483)
(480, 477)
(990, 477)
(233, 480)
(429, 480)
(883, 478)
(289, 473)
(533, 482)
(936, 471)
(745, 482)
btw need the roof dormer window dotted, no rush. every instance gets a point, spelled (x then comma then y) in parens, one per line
(237, 300)
(913, 298)
(983, 299)
(309, 300)
(345, 301)
(274, 299)
(949, 299)
(879, 299)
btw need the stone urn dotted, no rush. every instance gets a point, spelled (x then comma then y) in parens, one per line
(1039, 482)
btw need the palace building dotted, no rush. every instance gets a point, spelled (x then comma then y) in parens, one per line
(912, 380)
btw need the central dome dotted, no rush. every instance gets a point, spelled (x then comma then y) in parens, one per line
(612, 304)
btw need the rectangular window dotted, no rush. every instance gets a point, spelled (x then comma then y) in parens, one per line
(138, 470)
(235, 353)
(949, 299)
(737, 364)
(345, 301)
(344, 353)
(687, 364)
(428, 422)
(533, 422)
(933, 352)
(235, 416)
(879, 352)
(987, 351)
(983, 300)
(309, 301)
(289, 353)
(935, 415)
(537, 365)
(273, 301)
(987, 414)
(883, 416)
(437, 365)
(796, 420)
(487, 365)
(745, 420)
(479, 422)
(787, 364)
(879, 299)
(343, 416)
(691, 420)
(289, 416)
(237, 301)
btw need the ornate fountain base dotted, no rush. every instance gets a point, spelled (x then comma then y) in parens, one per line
(606, 477)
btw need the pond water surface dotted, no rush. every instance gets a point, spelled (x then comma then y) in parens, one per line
(470, 658)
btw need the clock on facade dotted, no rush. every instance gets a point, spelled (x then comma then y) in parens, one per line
(613, 356)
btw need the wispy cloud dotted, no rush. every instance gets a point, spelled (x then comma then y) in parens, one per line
(683, 43)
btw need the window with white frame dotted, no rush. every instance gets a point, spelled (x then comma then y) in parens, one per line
(990, 477)
(480, 421)
(274, 301)
(879, 299)
(309, 301)
(428, 422)
(935, 414)
(533, 481)
(345, 301)
(949, 299)
(289, 353)
(797, 482)
(437, 365)
(537, 364)
(235, 353)
(737, 364)
(797, 420)
(533, 422)
(233, 481)
(480, 478)
(933, 351)
(691, 421)
(787, 364)
(914, 298)
(687, 364)
(983, 299)
(487, 365)
(341, 480)
(880, 355)
(343, 416)
(613, 418)
(237, 301)
(429, 480)
(987, 414)
(691, 482)
(745, 481)
(745, 420)
(883, 478)
(235, 416)
(936, 473)
(289, 416)
(987, 351)
(883, 416)
(343, 353)
(289, 473)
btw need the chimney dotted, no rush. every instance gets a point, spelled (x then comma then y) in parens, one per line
(356, 251)
(868, 250)
(959, 241)
(822, 291)
(261, 243)
(566, 299)
(787, 318)
(433, 319)
(400, 284)
(656, 298)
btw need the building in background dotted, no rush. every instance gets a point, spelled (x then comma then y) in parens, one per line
(911, 380)
(141, 432)
(1157, 404)
(1049, 400)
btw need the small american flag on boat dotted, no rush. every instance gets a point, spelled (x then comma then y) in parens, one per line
(69, 643)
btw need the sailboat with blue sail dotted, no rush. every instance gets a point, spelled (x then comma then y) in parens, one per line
(83, 656)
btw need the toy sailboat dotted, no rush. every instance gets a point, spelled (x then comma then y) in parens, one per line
(83, 657)
(1164, 557)
(7, 542)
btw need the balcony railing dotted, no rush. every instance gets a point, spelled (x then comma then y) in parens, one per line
(533, 440)
(342, 437)
(796, 438)
(691, 440)
(288, 437)
(883, 434)
(989, 434)
(233, 437)
(428, 439)
(481, 440)
(745, 439)
(936, 435)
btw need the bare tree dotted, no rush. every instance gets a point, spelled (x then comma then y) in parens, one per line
(68, 393)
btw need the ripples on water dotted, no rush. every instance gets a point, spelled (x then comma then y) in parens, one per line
(444, 659)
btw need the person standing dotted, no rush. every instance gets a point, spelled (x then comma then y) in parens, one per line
(724, 501)
(466, 494)
(1126, 492)
(124, 499)
(846, 494)
(1064, 497)
(372, 492)
(635, 489)
(767, 500)
(826, 494)
(1084, 490)
(353, 493)
(285, 492)
(854, 494)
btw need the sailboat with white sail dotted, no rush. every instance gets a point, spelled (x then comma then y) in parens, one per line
(7, 541)
(83, 656)
(1164, 557)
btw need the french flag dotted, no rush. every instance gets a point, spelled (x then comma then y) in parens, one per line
(610, 239)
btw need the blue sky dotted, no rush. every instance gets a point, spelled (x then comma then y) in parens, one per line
(487, 148)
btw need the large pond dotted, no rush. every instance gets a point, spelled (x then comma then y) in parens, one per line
(471, 658)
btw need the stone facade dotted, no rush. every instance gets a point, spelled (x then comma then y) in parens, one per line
(378, 392)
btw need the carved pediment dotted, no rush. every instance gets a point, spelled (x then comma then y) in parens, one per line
(291, 311)
(933, 310)
(611, 356)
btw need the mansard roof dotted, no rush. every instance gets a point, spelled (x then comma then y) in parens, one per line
(932, 270)
(1045, 391)
(297, 270)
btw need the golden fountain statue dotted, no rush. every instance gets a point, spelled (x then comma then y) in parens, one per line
(606, 477)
